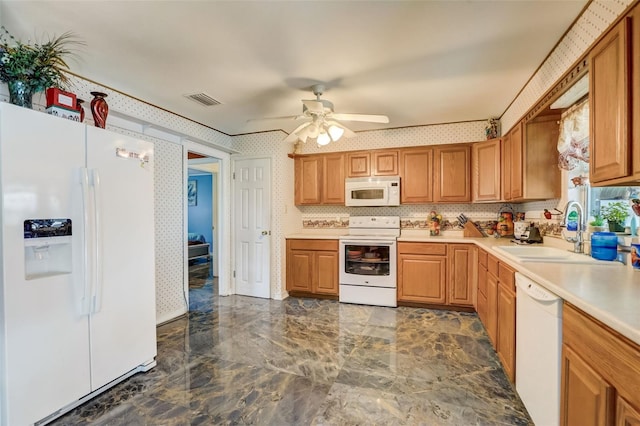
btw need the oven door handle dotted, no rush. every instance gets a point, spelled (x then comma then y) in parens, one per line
(368, 243)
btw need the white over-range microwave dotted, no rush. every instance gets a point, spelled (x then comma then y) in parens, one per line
(373, 191)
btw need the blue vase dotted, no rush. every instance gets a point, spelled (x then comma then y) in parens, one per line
(20, 93)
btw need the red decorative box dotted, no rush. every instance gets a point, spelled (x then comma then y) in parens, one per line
(60, 98)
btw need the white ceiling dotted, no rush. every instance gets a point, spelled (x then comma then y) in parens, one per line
(419, 62)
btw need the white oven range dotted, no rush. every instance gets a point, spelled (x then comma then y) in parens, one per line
(368, 261)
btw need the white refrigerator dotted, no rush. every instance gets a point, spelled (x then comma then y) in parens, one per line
(77, 283)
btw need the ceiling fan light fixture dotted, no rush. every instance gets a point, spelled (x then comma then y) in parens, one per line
(335, 132)
(323, 139)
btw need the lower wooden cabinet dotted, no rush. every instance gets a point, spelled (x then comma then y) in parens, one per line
(506, 341)
(588, 399)
(436, 273)
(600, 371)
(422, 276)
(312, 267)
(461, 267)
(496, 306)
(626, 415)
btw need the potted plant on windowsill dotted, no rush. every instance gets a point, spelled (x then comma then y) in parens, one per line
(597, 224)
(32, 68)
(615, 213)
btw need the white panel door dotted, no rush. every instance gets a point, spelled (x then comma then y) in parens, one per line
(123, 332)
(46, 336)
(252, 223)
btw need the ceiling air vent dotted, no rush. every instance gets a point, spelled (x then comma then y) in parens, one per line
(203, 99)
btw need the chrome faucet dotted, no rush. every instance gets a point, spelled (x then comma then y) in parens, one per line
(577, 240)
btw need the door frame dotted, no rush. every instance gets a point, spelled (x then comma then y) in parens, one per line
(223, 222)
(233, 207)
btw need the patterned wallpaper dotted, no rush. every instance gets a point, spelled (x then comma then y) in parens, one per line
(593, 22)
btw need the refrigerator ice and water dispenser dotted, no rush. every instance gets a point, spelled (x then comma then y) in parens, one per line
(47, 247)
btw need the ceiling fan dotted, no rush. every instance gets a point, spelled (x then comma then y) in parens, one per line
(323, 126)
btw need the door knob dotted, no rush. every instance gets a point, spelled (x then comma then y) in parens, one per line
(266, 232)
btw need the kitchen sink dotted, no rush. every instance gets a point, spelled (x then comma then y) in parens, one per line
(548, 254)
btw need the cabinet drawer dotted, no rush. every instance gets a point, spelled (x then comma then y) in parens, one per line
(482, 257)
(328, 245)
(507, 277)
(439, 249)
(492, 265)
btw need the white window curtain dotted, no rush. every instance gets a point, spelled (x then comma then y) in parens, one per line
(573, 143)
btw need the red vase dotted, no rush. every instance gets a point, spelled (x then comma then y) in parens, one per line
(79, 108)
(99, 109)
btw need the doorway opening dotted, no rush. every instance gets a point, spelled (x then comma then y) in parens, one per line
(203, 211)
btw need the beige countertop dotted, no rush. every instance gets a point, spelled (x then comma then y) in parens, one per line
(609, 293)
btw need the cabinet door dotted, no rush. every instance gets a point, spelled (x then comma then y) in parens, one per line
(452, 173)
(461, 274)
(635, 85)
(326, 273)
(609, 105)
(422, 278)
(486, 173)
(308, 179)
(482, 295)
(492, 308)
(517, 188)
(506, 342)
(333, 183)
(416, 174)
(358, 164)
(506, 168)
(385, 163)
(626, 415)
(587, 399)
(300, 265)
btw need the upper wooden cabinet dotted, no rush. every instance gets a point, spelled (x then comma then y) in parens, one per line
(486, 171)
(530, 158)
(506, 167)
(308, 180)
(372, 163)
(611, 63)
(452, 173)
(515, 137)
(416, 175)
(319, 179)
(333, 179)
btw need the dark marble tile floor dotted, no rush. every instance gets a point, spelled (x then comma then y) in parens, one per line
(242, 360)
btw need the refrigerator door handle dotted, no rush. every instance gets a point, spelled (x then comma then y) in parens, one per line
(97, 229)
(86, 270)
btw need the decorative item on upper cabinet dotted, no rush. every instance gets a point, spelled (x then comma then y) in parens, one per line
(492, 128)
(99, 109)
(28, 69)
(434, 223)
(80, 109)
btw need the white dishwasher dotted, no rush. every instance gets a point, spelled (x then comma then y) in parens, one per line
(538, 350)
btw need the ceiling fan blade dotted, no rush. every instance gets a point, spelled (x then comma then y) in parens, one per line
(313, 106)
(284, 117)
(361, 117)
(293, 136)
